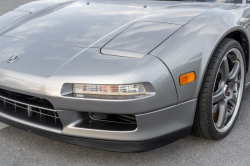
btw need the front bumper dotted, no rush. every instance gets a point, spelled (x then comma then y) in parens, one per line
(149, 125)
(153, 130)
(117, 146)
(157, 114)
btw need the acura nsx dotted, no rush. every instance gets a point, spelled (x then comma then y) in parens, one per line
(126, 76)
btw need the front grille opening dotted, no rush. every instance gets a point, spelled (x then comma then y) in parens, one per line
(118, 118)
(112, 122)
(31, 100)
(36, 115)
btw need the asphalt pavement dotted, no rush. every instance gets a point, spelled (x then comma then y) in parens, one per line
(19, 148)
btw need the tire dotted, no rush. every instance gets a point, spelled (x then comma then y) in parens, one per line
(215, 115)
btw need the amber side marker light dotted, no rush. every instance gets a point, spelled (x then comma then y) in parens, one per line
(187, 78)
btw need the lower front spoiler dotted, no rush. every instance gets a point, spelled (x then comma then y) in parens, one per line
(117, 146)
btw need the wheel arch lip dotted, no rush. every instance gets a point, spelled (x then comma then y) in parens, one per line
(203, 37)
(234, 29)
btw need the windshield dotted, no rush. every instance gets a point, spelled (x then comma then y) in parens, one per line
(212, 1)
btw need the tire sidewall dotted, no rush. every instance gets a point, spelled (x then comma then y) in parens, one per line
(214, 133)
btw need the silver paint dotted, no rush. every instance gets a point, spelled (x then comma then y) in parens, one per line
(150, 125)
(143, 36)
(196, 43)
(46, 81)
(60, 44)
(12, 17)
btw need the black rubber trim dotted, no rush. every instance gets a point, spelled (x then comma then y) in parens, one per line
(117, 146)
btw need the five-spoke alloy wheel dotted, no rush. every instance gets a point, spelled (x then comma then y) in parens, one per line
(228, 90)
(221, 92)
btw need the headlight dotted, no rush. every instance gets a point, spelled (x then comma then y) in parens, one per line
(133, 89)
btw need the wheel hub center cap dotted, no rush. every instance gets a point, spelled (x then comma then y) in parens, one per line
(227, 90)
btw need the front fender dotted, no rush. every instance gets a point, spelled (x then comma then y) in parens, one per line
(191, 48)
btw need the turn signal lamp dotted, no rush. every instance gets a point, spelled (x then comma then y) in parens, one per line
(187, 78)
(133, 89)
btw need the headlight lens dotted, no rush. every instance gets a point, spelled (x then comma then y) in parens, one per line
(133, 89)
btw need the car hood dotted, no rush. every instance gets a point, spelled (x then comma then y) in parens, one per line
(84, 24)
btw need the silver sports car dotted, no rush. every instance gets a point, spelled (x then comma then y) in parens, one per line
(121, 75)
